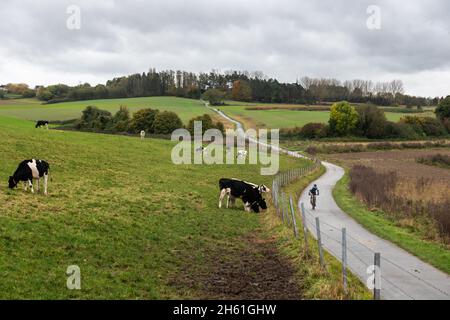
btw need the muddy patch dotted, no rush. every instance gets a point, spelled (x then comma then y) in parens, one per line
(253, 269)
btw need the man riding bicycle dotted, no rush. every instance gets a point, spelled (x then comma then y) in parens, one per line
(313, 193)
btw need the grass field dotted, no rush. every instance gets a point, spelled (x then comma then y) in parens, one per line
(31, 109)
(137, 225)
(285, 118)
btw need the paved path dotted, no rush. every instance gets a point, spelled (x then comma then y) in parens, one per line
(404, 276)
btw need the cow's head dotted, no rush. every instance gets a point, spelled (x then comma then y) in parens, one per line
(255, 201)
(12, 183)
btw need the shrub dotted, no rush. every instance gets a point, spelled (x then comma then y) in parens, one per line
(440, 160)
(443, 109)
(166, 122)
(215, 97)
(290, 133)
(371, 122)
(144, 120)
(400, 130)
(95, 119)
(343, 118)
(432, 127)
(425, 126)
(207, 123)
(121, 121)
(313, 130)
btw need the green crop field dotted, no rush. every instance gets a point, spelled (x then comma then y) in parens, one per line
(118, 208)
(31, 109)
(283, 118)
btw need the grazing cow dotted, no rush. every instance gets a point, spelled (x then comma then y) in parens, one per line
(142, 134)
(250, 195)
(41, 123)
(29, 170)
(242, 154)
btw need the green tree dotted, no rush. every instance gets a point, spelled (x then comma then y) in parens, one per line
(144, 120)
(343, 118)
(443, 109)
(166, 122)
(93, 118)
(215, 97)
(371, 122)
(207, 123)
(44, 94)
(120, 122)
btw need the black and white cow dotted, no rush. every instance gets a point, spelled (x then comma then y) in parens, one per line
(41, 123)
(248, 192)
(29, 170)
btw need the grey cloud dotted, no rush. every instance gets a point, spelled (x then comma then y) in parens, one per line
(284, 38)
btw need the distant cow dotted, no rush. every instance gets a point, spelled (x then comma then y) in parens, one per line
(29, 170)
(248, 192)
(41, 123)
(142, 134)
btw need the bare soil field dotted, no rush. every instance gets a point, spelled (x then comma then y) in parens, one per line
(408, 191)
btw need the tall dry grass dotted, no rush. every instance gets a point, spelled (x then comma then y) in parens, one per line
(422, 203)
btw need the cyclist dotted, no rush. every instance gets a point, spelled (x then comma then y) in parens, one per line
(313, 193)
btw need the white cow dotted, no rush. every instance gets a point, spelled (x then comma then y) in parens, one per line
(142, 134)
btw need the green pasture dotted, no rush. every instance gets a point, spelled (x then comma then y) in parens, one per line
(31, 109)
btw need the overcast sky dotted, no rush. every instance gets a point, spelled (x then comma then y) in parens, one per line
(286, 39)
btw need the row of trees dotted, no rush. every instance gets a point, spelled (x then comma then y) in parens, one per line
(369, 121)
(152, 121)
(236, 85)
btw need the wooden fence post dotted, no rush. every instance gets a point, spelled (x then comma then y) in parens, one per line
(344, 259)
(319, 242)
(282, 207)
(377, 277)
(294, 222)
(305, 229)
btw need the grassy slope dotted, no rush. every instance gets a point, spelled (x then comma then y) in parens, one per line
(288, 118)
(315, 282)
(118, 208)
(31, 109)
(384, 227)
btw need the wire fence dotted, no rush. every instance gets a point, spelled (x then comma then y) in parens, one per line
(353, 253)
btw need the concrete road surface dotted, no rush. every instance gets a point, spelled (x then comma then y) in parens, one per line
(403, 275)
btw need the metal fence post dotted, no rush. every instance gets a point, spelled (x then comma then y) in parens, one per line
(294, 222)
(319, 242)
(305, 230)
(344, 259)
(377, 277)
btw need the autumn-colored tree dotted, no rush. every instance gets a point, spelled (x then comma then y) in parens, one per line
(343, 118)
(241, 91)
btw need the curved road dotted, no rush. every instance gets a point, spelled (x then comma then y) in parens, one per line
(404, 276)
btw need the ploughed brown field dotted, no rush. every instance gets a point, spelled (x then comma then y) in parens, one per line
(409, 190)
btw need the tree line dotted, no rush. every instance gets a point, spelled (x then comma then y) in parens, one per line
(369, 121)
(152, 121)
(236, 85)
